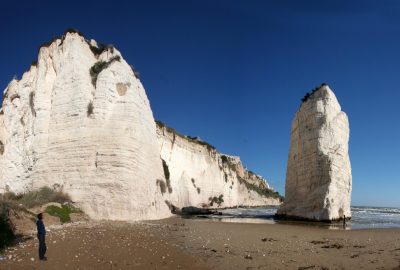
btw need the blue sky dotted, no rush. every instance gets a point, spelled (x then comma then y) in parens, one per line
(233, 72)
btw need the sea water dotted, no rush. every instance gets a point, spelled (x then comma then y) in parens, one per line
(362, 217)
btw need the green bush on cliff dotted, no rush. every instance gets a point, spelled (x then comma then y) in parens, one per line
(100, 66)
(39, 197)
(35, 198)
(218, 200)
(62, 212)
(188, 138)
(309, 94)
(262, 191)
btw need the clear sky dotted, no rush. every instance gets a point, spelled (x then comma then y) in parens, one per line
(233, 72)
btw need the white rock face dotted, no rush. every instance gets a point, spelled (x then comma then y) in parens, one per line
(318, 177)
(95, 140)
(200, 176)
(79, 121)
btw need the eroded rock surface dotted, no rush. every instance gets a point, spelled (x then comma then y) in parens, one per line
(198, 175)
(318, 177)
(79, 120)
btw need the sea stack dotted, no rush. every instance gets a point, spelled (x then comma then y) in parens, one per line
(318, 177)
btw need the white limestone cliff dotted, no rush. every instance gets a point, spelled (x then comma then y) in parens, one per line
(318, 177)
(200, 176)
(84, 126)
(79, 121)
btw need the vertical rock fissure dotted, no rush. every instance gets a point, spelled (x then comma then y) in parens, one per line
(32, 103)
(1, 148)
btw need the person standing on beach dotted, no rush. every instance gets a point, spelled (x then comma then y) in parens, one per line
(41, 234)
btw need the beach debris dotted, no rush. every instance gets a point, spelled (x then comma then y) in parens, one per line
(306, 267)
(248, 257)
(335, 245)
(313, 267)
(268, 239)
(191, 210)
(317, 242)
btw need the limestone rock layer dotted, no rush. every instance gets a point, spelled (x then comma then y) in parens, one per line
(200, 176)
(318, 177)
(79, 121)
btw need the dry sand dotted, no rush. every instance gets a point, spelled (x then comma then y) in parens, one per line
(202, 244)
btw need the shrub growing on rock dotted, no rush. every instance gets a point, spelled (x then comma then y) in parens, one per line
(269, 193)
(100, 66)
(308, 95)
(90, 109)
(37, 197)
(218, 200)
(62, 212)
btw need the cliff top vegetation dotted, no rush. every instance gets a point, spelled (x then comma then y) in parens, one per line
(196, 140)
(311, 93)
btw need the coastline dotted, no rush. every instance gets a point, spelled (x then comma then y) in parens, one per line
(177, 243)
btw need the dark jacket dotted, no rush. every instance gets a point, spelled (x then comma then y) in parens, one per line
(40, 227)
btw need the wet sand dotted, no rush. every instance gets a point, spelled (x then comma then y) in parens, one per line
(177, 243)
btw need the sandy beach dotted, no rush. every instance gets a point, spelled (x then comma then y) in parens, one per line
(178, 243)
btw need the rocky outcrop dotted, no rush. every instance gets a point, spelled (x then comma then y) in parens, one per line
(318, 177)
(79, 120)
(198, 175)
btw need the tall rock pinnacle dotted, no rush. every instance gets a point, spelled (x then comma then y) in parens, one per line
(318, 177)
